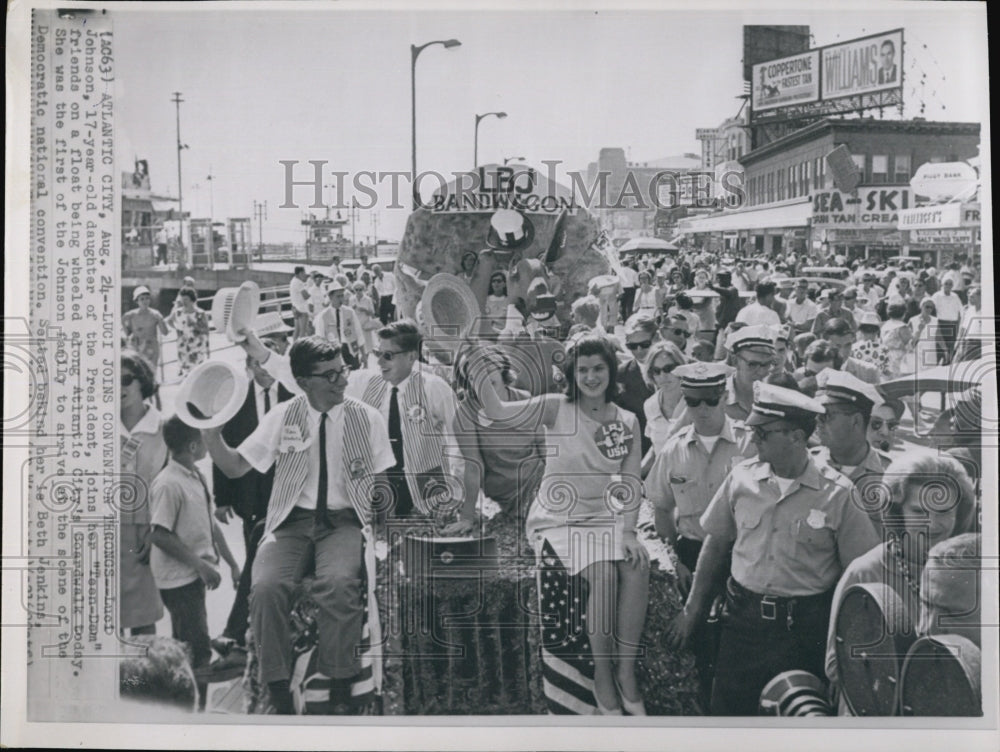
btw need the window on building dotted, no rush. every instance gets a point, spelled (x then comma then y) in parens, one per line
(791, 182)
(880, 168)
(803, 178)
(902, 168)
(808, 173)
(770, 187)
(859, 161)
(780, 188)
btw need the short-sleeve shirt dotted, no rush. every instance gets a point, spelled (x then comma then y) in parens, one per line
(801, 313)
(181, 505)
(295, 289)
(261, 449)
(789, 544)
(685, 477)
(755, 314)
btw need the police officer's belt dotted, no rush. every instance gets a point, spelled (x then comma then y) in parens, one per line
(776, 608)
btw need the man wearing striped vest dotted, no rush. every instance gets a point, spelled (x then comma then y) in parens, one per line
(419, 408)
(328, 452)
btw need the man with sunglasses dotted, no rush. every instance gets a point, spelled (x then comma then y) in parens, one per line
(329, 452)
(688, 471)
(675, 329)
(843, 435)
(752, 349)
(419, 408)
(791, 527)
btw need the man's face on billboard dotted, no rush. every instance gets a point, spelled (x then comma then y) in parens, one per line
(888, 53)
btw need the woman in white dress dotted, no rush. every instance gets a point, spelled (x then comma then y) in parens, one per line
(586, 508)
(645, 297)
(924, 327)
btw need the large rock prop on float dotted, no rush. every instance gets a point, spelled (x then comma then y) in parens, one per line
(436, 242)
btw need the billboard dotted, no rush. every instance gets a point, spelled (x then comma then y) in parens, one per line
(761, 43)
(790, 80)
(863, 66)
(869, 69)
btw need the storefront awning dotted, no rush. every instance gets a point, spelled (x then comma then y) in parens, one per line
(775, 217)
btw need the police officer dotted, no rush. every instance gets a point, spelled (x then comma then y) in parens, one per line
(791, 528)
(843, 434)
(752, 348)
(685, 477)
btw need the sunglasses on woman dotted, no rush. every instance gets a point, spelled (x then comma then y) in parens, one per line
(877, 423)
(128, 378)
(657, 370)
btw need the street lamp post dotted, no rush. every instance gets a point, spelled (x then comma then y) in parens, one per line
(415, 51)
(475, 144)
(180, 191)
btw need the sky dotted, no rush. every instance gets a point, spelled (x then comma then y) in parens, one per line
(260, 86)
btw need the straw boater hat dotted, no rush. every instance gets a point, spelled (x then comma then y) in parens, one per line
(211, 394)
(270, 323)
(140, 290)
(509, 230)
(235, 308)
(449, 309)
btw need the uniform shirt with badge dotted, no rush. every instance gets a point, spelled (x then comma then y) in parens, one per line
(791, 542)
(272, 437)
(691, 468)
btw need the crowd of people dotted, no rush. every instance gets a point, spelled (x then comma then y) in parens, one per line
(737, 398)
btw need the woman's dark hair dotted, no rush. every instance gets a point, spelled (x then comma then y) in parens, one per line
(139, 367)
(684, 301)
(188, 292)
(896, 310)
(491, 352)
(309, 351)
(591, 344)
(870, 328)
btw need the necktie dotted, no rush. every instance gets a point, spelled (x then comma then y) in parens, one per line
(338, 324)
(267, 399)
(322, 490)
(395, 428)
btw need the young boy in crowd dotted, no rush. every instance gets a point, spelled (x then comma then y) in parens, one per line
(187, 542)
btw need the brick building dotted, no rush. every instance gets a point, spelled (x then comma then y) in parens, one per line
(791, 202)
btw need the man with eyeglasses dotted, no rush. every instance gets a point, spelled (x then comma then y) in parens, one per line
(688, 471)
(843, 435)
(752, 350)
(329, 452)
(419, 408)
(791, 527)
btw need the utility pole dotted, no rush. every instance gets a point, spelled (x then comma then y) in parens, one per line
(375, 227)
(180, 190)
(260, 213)
(211, 194)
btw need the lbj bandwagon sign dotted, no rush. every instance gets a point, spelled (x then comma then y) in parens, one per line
(787, 81)
(872, 208)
